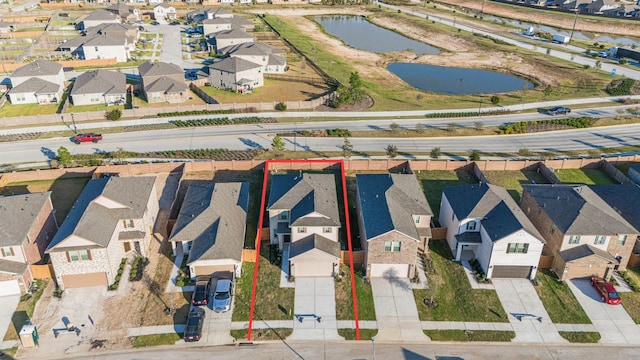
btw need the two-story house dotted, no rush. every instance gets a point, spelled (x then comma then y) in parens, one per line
(28, 224)
(484, 222)
(585, 233)
(235, 74)
(164, 12)
(394, 219)
(99, 87)
(163, 82)
(224, 38)
(211, 227)
(97, 17)
(112, 219)
(38, 82)
(304, 219)
(126, 13)
(270, 58)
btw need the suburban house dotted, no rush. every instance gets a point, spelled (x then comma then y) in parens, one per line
(97, 17)
(231, 37)
(484, 223)
(394, 219)
(210, 26)
(38, 82)
(126, 13)
(584, 226)
(304, 219)
(28, 224)
(98, 46)
(211, 227)
(214, 20)
(164, 11)
(235, 74)
(113, 218)
(99, 87)
(163, 82)
(271, 59)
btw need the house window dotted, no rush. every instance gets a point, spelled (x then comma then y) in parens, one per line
(284, 215)
(327, 230)
(128, 223)
(78, 255)
(600, 239)
(517, 248)
(416, 219)
(574, 239)
(7, 251)
(622, 239)
(393, 246)
(302, 230)
(471, 225)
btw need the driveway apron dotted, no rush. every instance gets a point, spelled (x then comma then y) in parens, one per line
(396, 311)
(611, 321)
(8, 305)
(518, 298)
(315, 300)
(217, 328)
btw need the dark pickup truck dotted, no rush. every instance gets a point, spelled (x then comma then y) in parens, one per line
(80, 138)
(193, 328)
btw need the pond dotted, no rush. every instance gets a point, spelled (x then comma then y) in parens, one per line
(359, 33)
(457, 81)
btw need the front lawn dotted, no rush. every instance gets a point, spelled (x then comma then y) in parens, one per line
(344, 300)
(155, 340)
(558, 300)
(584, 176)
(450, 288)
(24, 310)
(631, 300)
(470, 335)
(350, 334)
(513, 180)
(434, 181)
(580, 337)
(262, 334)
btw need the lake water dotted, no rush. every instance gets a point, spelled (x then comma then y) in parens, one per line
(456, 81)
(359, 33)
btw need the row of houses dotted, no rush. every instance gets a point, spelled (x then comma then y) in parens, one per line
(193, 2)
(614, 8)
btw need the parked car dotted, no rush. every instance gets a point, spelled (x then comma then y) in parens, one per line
(558, 110)
(222, 296)
(80, 138)
(607, 292)
(155, 23)
(200, 292)
(141, 28)
(193, 328)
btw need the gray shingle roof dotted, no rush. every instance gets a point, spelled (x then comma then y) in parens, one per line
(218, 11)
(623, 199)
(36, 85)
(118, 39)
(303, 195)
(251, 48)
(314, 241)
(166, 85)
(233, 65)
(91, 219)
(585, 250)
(121, 9)
(12, 267)
(159, 69)
(100, 15)
(276, 60)
(389, 201)
(216, 21)
(110, 28)
(99, 82)
(18, 213)
(214, 217)
(163, 5)
(232, 34)
(578, 210)
(500, 214)
(38, 68)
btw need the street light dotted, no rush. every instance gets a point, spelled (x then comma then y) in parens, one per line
(575, 20)
(373, 342)
(482, 10)
(73, 120)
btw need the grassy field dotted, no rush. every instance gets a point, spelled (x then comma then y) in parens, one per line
(262, 334)
(11, 110)
(558, 300)
(24, 311)
(64, 192)
(273, 90)
(583, 176)
(580, 337)
(155, 340)
(344, 298)
(93, 107)
(434, 181)
(350, 334)
(513, 180)
(470, 335)
(450, 288)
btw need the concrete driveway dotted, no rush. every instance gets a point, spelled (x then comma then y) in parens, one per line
(217, 327)
(8, 305)
(396, 311)
(526, 313)
(611, 321)
(315, 300)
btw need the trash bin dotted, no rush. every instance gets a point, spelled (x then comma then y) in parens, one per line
(29, 335)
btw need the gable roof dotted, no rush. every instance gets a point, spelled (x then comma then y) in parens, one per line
(314, 241)
(389, 201)
(13, 267)
(166, 85)
(38, 68)
(121, 9)
(251, 48)
(159, 69)
(578, 210)
(500, 214)
(99, 82)
(37, 86)
(164, 5)
(217, 11)
(232, 34)
(304, 194)
(214, 217)
(100, 15)
(18, 214)
(110, 28)
(233, 65)
(585, 250)
(623, 199)
(101, 205)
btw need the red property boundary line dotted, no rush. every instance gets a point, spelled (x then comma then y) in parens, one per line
(259, 236)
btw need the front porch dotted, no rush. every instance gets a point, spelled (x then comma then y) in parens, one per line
(467, 244)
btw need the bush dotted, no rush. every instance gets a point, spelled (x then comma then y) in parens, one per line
(114, 114)
(495, 100)
(339, 132)
(631, 281)
(620, 87)
(57, 292)
(521, 127)
(281, 106)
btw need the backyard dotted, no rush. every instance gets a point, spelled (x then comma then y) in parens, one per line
(584, 176)
(513, 180)
(434, 181)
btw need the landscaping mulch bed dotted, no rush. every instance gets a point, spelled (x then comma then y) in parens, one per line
(149, 127)
(19, 137)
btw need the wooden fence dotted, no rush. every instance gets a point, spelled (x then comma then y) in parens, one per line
(249, 255)
(358, 257)
(439, 233)
(545, 261)
(42, 271)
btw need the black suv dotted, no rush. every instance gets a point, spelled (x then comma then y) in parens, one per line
(201, 291)
(558, 110)
(193, 329)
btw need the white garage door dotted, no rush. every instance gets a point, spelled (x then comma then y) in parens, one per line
(9, 287)
(312, 269)
(390, 270)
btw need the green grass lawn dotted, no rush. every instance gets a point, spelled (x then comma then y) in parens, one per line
(558, 300)
(93, 107)
(155, 340)
(350, 334)
(434, 181)
(24, 311)
(450, 288)
(11, 110)
(262, 334)
(583, 176)
(344, 300)
(470, 335)
(631, 300)
(580, 337)
(513, 180)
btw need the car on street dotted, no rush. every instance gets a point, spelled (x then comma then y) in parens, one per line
(558, 110)
(222, 296)
(86, 137)
(193, 328)
(155, 23)
(607, 292)
(200, 292)
(141, 28)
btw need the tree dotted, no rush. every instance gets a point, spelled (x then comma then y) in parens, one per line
(495, 99)
(524, 152)
(114, 114)
(392, 151)
(394, 127)
(277, 145)
(118, 155)
(435, 153)
(474, 155)
(347, 147)
(598, 64)
(64, 156)
(355, 81)
(547, 90)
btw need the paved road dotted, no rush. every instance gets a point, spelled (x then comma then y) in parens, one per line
(172, 45)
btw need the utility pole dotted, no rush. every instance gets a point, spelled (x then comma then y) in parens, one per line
(482, 11)
(575, 20)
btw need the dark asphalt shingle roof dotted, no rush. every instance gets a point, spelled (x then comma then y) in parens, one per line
(38, 68)
(233, 65)
(12, 267)
(314, 241)
(389, 201)
(18, 214)
(578, 210)
(469, 237)
(623, 199)
(304, 194)
(251, 48)
(214, 217)
(36, 85)
(585, 250)
(99, 82)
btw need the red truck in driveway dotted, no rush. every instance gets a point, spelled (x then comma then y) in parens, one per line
(80, 138)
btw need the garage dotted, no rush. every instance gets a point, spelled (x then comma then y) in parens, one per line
(511, 272)
(85, 280)
(573, 272)
(390, 270)
(9, 287)
(312, 268)
(212, 269)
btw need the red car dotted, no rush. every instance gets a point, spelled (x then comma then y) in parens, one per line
(607, 292)
(87, 137)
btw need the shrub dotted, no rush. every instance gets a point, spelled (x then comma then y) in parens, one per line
(281, 106)
(114, 114)
(620, 87)
(495, 100)
(338, 132)
(474, 155)
(57, 292)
